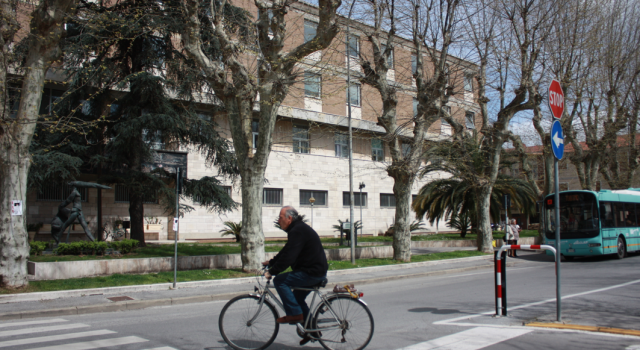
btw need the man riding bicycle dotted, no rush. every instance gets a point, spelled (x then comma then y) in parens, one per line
(305, 254)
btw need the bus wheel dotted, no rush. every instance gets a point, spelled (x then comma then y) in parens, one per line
(622, 248)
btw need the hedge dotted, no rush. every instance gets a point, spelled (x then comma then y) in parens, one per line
(87, 247)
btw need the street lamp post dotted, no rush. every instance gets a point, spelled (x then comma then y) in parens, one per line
(312, 200)
(361, 186)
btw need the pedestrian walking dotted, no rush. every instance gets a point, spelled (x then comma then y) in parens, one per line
(513, 235)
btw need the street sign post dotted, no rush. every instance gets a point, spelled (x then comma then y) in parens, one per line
(556, 104)
(556, 99)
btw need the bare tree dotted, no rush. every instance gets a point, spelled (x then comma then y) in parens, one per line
(508, 37)
(432, 28)
(16, 131)
(238, 82)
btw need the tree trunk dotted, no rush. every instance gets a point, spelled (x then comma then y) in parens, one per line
(16, 135)
(402, 232)
(483, 206)
(252, 237)
(136, 199)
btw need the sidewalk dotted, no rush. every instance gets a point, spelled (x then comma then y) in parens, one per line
(72, 302)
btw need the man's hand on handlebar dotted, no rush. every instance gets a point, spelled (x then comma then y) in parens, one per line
(265, 265)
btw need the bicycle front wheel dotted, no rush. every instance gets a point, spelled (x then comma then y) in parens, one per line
(353, 327)
(245, 324)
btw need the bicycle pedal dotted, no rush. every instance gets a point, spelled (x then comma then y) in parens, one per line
(300, 328)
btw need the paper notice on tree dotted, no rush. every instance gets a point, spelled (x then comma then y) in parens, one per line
(16, 207)
(175, 224)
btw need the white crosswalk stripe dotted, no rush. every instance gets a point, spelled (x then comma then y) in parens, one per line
(55, 337)
(95, 339)
(471, 339)
(95, 344)
(30, 323)
(42, 329)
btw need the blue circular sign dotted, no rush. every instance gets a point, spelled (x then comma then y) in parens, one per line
(557, 139)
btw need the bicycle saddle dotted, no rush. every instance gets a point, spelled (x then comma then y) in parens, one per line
(321, 284)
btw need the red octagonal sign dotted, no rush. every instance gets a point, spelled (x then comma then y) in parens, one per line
(556, 99)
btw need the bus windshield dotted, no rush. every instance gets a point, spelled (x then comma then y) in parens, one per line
(578, 216)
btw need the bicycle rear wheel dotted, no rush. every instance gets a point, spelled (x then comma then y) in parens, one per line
(355, 323)
(245, 324)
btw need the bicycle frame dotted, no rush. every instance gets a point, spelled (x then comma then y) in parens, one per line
(266, 291)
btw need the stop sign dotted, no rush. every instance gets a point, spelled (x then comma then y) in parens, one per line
(556, 99)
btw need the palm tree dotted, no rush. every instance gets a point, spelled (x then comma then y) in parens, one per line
(232, 229)
(455, 197)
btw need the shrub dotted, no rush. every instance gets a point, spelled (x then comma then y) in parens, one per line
(96, 248)
(36, 247)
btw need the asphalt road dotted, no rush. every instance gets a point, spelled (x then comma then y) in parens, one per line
(436, 312)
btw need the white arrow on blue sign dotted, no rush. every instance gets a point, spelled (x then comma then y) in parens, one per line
(557, 139)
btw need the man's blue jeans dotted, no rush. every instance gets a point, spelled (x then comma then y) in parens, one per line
(294, 301)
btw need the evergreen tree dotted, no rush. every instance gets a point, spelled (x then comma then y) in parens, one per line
(138, 93)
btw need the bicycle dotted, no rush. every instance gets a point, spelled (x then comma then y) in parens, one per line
(341, 320)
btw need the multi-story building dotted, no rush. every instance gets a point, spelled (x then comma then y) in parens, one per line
(310, 152)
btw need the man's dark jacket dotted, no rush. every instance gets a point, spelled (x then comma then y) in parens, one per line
(303, 252)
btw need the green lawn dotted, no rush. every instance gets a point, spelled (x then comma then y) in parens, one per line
(200, 275)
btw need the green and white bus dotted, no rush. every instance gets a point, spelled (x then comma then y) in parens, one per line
(595, 223)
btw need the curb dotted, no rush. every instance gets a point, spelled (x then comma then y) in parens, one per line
(576, 327)
(142, 304)
(13, 298)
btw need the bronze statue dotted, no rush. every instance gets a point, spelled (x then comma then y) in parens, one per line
(65, 217)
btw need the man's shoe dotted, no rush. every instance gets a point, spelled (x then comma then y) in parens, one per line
(307, 337)
(290, 319)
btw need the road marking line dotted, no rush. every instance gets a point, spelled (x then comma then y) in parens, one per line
(95, 344)
(470, 339)
(54, 338)
(27, 323)
(163, 348)
(42, 329)
(452, 320)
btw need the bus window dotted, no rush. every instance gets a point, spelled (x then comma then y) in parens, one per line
(636, 213)
(630, 215)
(606, 215)
(619, 213)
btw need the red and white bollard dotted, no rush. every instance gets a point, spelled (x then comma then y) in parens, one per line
(501, 272)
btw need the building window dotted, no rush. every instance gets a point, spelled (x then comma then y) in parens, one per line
(14, 100)
(312, 85)
(122, 195)
(272, 196)
(354, 95)
(415, 107)
(447, 110)
(414, 64)
(310, 29)
(342, 145)
(353, 46)
(254, 132)
(469, 119)
(468, 82)
(55, 192)
(227, 189)
(406, 148)
(387, 200)
(390, 58)
(357, 199)
(377, 150)
(49, 97)
(153, 138)
(319, 196)
(300, 139)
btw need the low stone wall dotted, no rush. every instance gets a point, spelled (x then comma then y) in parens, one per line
(39, 271)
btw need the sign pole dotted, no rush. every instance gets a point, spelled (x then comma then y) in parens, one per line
(175, 258)
(558, 255)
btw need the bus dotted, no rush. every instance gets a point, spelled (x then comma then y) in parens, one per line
(594, 223)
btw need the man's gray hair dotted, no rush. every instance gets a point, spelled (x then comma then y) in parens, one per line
(291, 212)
